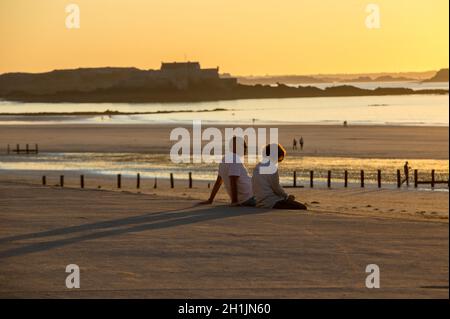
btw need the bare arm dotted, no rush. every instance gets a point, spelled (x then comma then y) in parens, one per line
(214, 191)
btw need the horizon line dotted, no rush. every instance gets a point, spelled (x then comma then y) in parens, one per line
(235, 75)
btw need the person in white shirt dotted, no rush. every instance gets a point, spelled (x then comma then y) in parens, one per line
(268, 191)
(234, 175)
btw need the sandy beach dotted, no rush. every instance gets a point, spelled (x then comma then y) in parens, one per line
(165, 246)
(158, 243)
(404, 142)
(402, 204)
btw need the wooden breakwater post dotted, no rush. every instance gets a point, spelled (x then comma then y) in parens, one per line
(155, 184)
(294, 183)
(138, 181)
(61, 180)
(379, 178)
(81, 181)
(433, 178)
(329, 179)
(399, 179)
(44, 180)
(431, 182)
(27, 149)
(171, 181)
(362, 178)
(190, 179)
(416, 178)
(119, 181)
(311, 179)
(345, 178)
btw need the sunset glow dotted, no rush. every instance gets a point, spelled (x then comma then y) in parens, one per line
(242, 37)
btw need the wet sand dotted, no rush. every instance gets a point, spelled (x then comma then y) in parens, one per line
(403, 142)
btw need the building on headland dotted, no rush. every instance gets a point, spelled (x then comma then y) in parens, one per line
(185, 74)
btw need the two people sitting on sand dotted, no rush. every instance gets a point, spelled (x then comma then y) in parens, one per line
(262, 190)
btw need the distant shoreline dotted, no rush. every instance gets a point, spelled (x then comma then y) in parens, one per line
(109, 113)
(205, 94)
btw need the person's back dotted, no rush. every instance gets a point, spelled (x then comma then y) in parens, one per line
(236, 168)
(234, 175)
(266, 187)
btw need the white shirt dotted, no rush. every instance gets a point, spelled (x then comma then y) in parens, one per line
(267, 187)
(244, 182)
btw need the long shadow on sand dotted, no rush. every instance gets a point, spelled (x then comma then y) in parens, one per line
(122, 226)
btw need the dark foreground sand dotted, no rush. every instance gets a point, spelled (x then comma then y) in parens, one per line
(150, 246)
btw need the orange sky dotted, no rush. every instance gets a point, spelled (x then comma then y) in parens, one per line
(242, 37)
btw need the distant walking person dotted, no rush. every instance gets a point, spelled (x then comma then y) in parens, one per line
(301, 143)
(406, 169)
(294, 144)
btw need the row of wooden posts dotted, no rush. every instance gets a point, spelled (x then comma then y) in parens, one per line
(432, 182)
(119, 181)
(26, 150)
